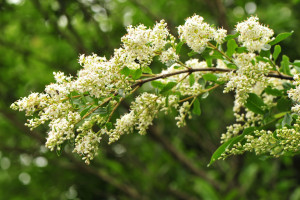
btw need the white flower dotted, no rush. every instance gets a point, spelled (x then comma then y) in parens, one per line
(169, 56)
(248, 74)
(184, 110)
(196, 33)
(253, 35)
(86, 145)
(141, 43)
(124, 125)
(219, 35)
(294, 94)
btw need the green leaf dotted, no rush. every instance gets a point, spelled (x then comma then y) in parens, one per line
(266, 47)
(137, 74)
(167, 101)
(178, 47)
(59, 150)
(229, 37)
(168, 87)
(217, 55)
(227, 145)
(273, 91)
(231, 46)
(205, 95)
(192, 53)
(147, 70)
(230, 65)
(287, 120)
(241, 49)
(76, 103)
(297, 68)
(101, 111)
(284, 104)
(210, 77)
(281, 37)
(109, 125)
(85, 111)
(259, 58)
(255, 104)
(265, 53)
(167, 46)
(121, 93)
(277, 50)
(209, 62)
(285, 65)
(196, 107)
(202, 82)
(157, 84)
(90, 99)
(296, 63)
(287, 86)
(205, 190)
(83, 98)
(125, 71)
(191, 79)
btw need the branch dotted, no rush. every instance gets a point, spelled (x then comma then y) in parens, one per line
(212, 69)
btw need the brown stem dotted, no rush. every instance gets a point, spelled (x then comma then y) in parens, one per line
(221, 52)
(91, 111)
(211, 69)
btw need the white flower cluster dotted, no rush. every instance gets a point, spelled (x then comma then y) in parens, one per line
(87, 145)
(277, 143)
(169, 56)
(183, 81)
(99, 77)
(142, 44)
(184, 110)
(76, 107)
(248, 74)
(253, 35)
(294, 94)
(143, 111)
(61, 129)
(197, 33)
(32, 103)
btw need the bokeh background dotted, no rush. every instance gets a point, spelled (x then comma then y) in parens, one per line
(38, 37)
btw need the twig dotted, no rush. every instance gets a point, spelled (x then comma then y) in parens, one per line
(211, 69)
(221, 52)
(207, 90)
(117, 104)
(91, 111)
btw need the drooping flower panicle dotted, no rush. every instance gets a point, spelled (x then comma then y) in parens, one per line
(82, 109)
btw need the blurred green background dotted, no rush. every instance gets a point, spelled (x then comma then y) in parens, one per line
(39, 37)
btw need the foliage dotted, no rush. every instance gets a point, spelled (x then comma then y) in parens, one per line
(33, 44)
(75, 106)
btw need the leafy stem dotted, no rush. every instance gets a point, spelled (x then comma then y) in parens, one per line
(221, 52)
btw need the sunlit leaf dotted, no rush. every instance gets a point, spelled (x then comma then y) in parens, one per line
(255, 104)
(281, 37)
(227, 145)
